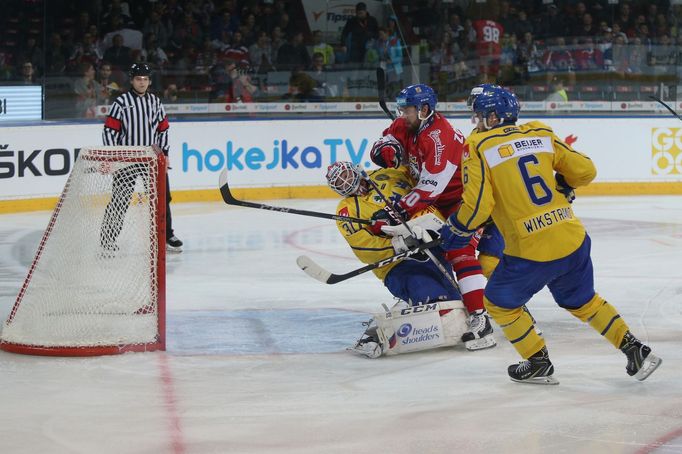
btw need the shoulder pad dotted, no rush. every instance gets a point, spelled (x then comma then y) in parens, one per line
(534, 125)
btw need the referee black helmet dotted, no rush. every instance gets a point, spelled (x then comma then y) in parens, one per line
(140, 69)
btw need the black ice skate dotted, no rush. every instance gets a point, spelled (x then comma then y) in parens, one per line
(480, 334)
(173, 244)
(537, 370)
(641, 362)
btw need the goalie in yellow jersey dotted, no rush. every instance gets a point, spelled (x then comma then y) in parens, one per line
(524, 178)
(430, 313)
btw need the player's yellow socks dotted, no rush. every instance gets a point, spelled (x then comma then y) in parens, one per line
(517, 326)
(488, 264)
(604, 318)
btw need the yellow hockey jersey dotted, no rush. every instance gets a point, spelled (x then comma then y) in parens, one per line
(508, 173)
(369, 248)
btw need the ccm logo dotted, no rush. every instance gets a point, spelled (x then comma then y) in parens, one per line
(418, 309)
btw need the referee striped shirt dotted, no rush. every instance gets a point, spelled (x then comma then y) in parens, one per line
(137, 120)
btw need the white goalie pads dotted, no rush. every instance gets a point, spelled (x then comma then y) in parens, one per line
(423, 327)
(429, 221)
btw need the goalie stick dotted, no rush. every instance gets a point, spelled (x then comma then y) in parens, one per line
(315, 271)
(229, 199)
(381, 89)
(670, 109)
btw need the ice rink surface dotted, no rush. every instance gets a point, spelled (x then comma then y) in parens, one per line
(256, 359)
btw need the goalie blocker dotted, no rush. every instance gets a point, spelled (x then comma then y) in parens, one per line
(405, 329)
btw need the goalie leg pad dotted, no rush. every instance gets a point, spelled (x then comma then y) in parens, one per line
(422, 327)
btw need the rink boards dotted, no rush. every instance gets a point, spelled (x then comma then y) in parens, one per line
(287, 158)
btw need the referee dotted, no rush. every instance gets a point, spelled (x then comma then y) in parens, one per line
(136, 118)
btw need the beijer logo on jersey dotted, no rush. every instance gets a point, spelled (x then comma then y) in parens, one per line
(666, 151)
(283, 155)
(529, 143)
(517, 148)
(508, 149)
(435, 136)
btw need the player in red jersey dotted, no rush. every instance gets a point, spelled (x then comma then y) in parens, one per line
(424, 140)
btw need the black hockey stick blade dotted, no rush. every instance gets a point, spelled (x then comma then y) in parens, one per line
(315, 271)
(381, 89)
(670, 109)
(229, 199)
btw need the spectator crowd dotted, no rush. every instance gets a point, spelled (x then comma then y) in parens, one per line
(250, 50)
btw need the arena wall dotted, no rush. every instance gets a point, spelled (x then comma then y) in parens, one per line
(287, 158)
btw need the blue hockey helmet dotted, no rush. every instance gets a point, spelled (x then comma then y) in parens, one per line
(500, 101)
(417, 95)
(477, 90)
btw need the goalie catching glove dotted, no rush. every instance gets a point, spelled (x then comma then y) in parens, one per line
(387, 152)
(564, 188)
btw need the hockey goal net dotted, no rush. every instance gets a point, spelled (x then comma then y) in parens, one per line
(97, 283)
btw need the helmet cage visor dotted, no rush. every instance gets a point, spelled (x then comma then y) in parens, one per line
(344, 178)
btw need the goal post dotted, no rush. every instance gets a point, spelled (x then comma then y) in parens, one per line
(97, 283)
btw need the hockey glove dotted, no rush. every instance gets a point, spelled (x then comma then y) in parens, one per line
(454, 234)
(564, 188)
(403, 243)
(383, 217)
(387, 152)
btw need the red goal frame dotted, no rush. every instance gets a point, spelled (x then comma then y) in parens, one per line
(104, 156)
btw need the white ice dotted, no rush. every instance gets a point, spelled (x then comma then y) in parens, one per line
(256, 360)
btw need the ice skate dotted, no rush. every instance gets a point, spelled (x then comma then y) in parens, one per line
(480, 334)
(173, 244)
(537, 370)
(641, 362)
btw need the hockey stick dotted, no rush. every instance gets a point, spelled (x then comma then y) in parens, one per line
(315, 271)
(660, 101)
(402, 220)
(381, 89)
(230, 200)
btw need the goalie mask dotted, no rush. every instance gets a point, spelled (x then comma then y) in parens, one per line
(345, 179)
